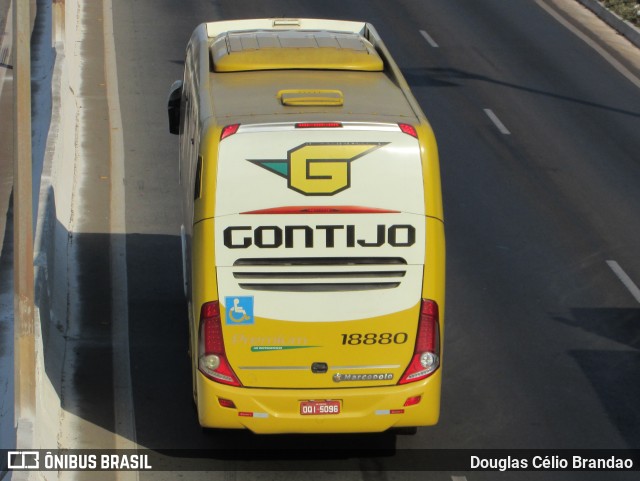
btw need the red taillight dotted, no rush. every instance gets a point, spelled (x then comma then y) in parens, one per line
(412, 401)
(318, 125)
(409, 130)
(426, 354)
(229, 130)
(211, 328)
(427, 339)
(212, 359)
(226, 403)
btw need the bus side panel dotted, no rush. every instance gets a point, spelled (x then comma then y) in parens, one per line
(433, 284)
(203, 278)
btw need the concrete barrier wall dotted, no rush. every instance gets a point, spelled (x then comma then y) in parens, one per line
(55, 218)
(626, 29)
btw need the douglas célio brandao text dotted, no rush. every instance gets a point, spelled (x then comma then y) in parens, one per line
(550, 462)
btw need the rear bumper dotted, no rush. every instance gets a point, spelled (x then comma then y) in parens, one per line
(272, 411)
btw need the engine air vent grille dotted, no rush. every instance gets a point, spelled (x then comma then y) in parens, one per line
(320, 274)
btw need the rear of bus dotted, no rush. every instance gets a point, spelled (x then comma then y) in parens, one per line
(321, 279)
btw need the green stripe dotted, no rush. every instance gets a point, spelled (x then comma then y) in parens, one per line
(277, 348)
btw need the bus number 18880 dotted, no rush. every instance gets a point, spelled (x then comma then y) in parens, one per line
(370, 338)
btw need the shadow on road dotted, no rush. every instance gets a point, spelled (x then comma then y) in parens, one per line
(613, 374)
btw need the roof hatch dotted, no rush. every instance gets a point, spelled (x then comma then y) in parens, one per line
(299, 98)
(293, 49)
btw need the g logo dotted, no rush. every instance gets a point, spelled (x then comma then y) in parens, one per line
(319, 168)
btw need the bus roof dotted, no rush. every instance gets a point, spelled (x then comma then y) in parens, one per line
(283, 70)
(293, 49)
(269, 96)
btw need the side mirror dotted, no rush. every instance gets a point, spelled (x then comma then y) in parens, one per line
(173, 106)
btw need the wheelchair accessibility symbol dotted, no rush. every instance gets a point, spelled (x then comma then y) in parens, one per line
(239, 310)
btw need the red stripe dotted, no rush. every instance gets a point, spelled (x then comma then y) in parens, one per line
(329, 209)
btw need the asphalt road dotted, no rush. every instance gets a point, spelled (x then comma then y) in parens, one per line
(540, 156)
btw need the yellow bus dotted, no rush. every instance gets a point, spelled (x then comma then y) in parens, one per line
(313, 237)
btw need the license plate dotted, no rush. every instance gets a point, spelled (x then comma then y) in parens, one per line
(311, 408)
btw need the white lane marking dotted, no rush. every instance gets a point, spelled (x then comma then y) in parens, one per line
(496, 121)
(603, 53)
(428, 38)
(625, 279)
(458, 478)
(125, 432)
